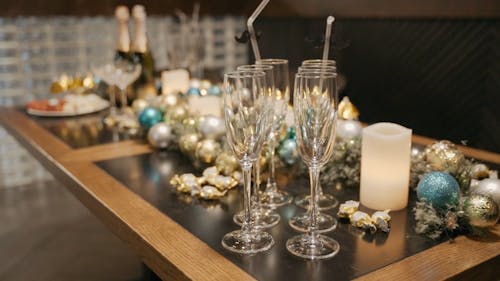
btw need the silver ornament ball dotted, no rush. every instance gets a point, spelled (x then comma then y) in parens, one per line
(488, 187)
(212, 127)
(160, 135)
(349, 129)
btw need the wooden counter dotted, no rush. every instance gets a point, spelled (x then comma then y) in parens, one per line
(175, 253)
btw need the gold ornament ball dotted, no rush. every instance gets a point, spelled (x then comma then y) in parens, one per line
(207, 151)
(190, 125)
(481, 211)
(165, 101)
(138, 105)
(177, 113)
(188, 143)
(226, 163)
(444, 156)
(479, 171)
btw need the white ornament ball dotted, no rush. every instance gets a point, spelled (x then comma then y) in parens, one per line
(488, 187)
(349, 129)
(212, 127)
(160, 135)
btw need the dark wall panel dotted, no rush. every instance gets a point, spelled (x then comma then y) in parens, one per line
(439, 77)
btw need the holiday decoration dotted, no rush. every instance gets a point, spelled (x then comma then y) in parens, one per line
(139, 105)
(207, 150)
(160, 135)
(149, 117)
(347, 110)
(349, 129)
(212, 127)
(481, 211)
(188, 143)
(488, 187)
(287, 151)
(444, 156)
(438, 188)
(226, 163)
(378, 220)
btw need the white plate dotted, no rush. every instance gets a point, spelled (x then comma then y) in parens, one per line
(46, 113)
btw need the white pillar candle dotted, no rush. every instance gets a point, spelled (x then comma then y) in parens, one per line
(385, 166)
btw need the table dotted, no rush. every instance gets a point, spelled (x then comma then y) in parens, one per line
(125, 184)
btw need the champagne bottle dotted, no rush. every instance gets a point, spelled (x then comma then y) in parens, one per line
(144, 86)
(122, 16)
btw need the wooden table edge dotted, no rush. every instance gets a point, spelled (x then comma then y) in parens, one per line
(38, 141)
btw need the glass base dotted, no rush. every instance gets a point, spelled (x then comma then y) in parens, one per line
(304, 246)
(276, 198)
(247, 242)
(263, 218)
(302, 222)
(325, 202)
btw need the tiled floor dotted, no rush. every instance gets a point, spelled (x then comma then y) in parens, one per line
(47, 234)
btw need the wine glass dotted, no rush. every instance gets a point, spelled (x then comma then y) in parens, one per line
(247, 113)
(107, 73)
(272, 196)
(315, 109)
(326, 201)
(262, 217)
(126, 73)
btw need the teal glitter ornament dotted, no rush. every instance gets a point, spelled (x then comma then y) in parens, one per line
(214, 91)
(194, 92)
(149, 117)
(439, 188)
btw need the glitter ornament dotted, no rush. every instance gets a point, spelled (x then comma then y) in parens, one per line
(444, 156)
(215, 91)
(139, 105)
(349, 129)
(212, 127)
(194, 92)
(165, 101)
(226, 163)
(347, 110)
(438, 188)
(481, 211)
(188, 143)
(160, 135)
(488, 187)
(176, 114)
(149, 117)
(207, 151)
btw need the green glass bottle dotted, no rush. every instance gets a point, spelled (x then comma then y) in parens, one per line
(144, 86)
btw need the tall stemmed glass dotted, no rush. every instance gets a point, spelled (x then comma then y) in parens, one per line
(107, 73)
(262, 217)
(326, 201)
(247, 113)
(315, 109)
(126, 73)
(272, 196)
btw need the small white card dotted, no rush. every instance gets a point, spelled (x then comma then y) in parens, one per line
(176, 80)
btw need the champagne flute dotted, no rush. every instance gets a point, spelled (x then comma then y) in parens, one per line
(247, 113)
(272, 196)
(326, 201)
(262, 217)
(315, 109)
(320, 62)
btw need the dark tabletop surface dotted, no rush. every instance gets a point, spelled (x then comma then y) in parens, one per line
(148, 175)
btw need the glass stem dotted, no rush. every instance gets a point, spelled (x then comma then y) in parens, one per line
(256, 185)
(246, 167)
(271, 180)
(123, 93)
(313, 203)
(112, 100)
